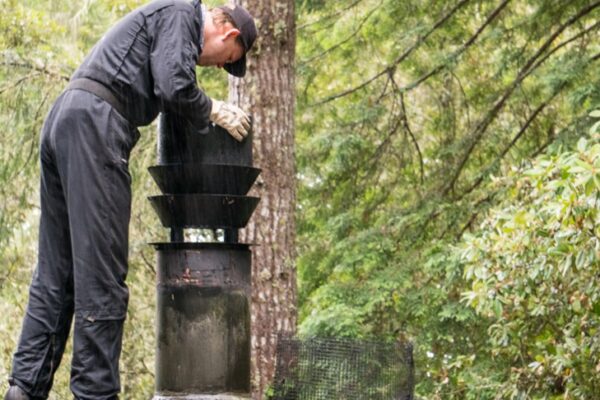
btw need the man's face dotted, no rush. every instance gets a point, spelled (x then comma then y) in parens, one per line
(221, 47)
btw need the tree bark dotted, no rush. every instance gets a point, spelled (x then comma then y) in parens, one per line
(268, 94)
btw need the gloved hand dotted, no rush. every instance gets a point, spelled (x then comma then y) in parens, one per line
(230, 117)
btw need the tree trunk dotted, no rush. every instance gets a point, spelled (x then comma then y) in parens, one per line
(268, 93)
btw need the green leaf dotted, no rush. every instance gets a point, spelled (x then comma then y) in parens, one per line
(594, 128)
(595, 114)
(576, 306)
(582, 144)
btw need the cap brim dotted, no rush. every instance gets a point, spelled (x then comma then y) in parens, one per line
(237, 68)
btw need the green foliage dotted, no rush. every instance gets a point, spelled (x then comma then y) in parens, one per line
(406, 113)
(533, 269)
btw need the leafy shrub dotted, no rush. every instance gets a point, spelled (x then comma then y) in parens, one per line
(534, 270)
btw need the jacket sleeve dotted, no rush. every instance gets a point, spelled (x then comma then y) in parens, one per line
(173, 64)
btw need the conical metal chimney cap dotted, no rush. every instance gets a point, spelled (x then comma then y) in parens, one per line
(204, 210)
(204, 178)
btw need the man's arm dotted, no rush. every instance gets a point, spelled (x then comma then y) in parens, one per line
(173, 63)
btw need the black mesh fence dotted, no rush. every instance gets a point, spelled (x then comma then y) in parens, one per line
(341, 369)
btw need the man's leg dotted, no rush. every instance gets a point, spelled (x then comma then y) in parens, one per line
(92, 161)
(50, 309)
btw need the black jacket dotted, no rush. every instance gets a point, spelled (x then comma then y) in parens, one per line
(148, 61)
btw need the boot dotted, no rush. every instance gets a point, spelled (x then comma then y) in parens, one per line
(16, 393)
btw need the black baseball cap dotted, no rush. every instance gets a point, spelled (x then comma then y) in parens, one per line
(245, 24)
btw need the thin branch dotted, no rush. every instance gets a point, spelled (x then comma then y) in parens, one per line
(19, 81)
(464, 93)
(346, 40)
(527, 69)
(543, 147)
(33, 134)
(33, 66)
(475, 214)
(462, 48)
(383, 92)
(148, 264)
(328, 17)
(400, 58)
(149, 371)
(514, 140)
(79, 16)
(433, 215)
(412, 136)
(566, 42)
(380, 149)
(536, 153)
(526, 101)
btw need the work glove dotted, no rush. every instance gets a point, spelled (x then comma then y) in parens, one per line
(230, 117)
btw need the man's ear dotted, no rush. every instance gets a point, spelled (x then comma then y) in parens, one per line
(233, 33)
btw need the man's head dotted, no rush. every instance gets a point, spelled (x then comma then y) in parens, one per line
(229, 33)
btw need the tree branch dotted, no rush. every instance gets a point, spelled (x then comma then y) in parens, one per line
(346, 40)
(16, 83)
(566, 42)
(147, 263)
(519, 134)
(413, 138)
(400, 58)
(464, 94)
(514, 140)
(33, 135)
(462, 48)
(527, 69)
(475, 214)
(380, 149)
(39, 68)
(327, 17)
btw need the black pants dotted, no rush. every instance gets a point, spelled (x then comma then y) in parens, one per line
(83, 244)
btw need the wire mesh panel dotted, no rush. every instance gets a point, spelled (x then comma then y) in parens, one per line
(342, 369)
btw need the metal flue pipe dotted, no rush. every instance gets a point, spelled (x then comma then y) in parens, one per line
(203, 288)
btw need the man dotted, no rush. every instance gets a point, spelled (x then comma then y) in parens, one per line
(143, 65)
